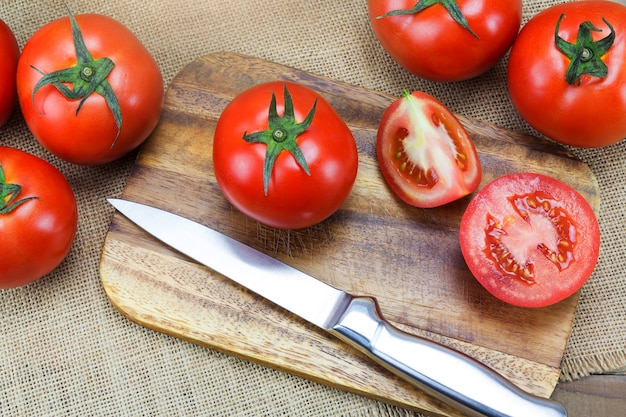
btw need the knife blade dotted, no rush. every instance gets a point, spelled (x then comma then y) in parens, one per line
(451, 376)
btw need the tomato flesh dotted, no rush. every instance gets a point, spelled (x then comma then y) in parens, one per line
(530, 239)
(425, 154)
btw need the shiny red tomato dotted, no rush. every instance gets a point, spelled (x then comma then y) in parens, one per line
(425, 154)
(38, 217)
(89, 90)
(567, 73)
(283, 156)
(446, 40)
(9, 55)
(530, 239)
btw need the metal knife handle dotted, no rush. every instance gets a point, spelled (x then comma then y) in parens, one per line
(451, 376)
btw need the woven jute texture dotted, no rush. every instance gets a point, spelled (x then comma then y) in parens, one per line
(65, 351)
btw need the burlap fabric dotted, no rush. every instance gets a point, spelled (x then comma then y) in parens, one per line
(64, 350)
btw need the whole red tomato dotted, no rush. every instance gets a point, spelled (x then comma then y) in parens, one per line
(567, 73)
(446, 40)
(425, 154)
(530, 239)
(283, 156)
(9, 55)
(38, 217)
(89, 90)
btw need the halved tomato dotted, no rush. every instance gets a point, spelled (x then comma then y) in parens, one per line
(530, 239)
(425, 154)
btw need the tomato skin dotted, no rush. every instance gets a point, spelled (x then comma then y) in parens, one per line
(431, 173)
(38, 234)
(585, 115)
(433, 46)
(294, 199)
(557, 240)
(87, 137)
(9, 55)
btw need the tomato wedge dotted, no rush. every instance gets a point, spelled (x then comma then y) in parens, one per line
(530, 239)
(425, 154)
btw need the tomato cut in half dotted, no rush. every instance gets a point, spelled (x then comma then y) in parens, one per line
(530, 239)
(425, 154)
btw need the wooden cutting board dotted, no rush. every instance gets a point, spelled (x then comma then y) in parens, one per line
(408, 258)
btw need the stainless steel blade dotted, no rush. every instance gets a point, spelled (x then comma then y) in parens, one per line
(451, 376)
(303, 295)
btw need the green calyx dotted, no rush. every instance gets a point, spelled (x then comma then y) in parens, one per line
(9, 194)
(88, 76)
(585, 55)
(281, 136)
(450, 5)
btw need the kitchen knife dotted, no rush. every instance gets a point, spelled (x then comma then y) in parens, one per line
(444, 373)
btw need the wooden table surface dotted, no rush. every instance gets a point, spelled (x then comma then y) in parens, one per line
(594, 396)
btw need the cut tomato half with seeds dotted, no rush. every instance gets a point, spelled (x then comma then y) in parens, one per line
(425, 154)
(530, 239)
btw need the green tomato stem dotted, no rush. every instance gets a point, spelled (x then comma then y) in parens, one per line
(585, 55)
(88, 76)
(450, 5)
(9, 194)
(281, 136)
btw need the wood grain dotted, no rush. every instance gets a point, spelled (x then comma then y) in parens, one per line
(596, 395)
(375, 245)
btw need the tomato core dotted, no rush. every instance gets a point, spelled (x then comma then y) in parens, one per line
(556, 231)
(422, 177)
